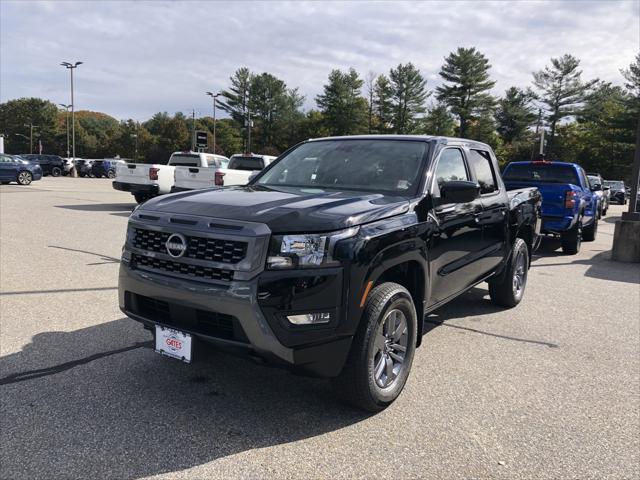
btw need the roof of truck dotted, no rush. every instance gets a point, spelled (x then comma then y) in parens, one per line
(422, 138)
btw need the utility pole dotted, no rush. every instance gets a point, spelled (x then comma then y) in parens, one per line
(31, 127)
(214, 118)
(248, 131)
(67, 107)
(193, 130)
(136, 154)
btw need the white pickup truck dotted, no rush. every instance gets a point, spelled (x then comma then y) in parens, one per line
(221, 171)
(145, 181)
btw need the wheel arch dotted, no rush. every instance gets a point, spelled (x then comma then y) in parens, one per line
(411, 273)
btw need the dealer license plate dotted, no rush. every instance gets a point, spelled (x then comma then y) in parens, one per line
(173, 343)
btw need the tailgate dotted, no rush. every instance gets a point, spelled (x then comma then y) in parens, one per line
(236, 177)
(194, 178)
(553, 196)
(137, 173)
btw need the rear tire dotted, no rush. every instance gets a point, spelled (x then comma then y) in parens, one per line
(56, 171)
(111, 174)
(572, 239)
(24, 178)
(382, 351)
(507, 289)
(589, 233)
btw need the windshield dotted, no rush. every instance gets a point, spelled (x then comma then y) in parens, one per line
(614, 184)
(371, 165)
(541, 173)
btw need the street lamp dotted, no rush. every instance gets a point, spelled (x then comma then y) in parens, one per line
(214, 118)
(67, 107)
(71, 67)
(31, 127)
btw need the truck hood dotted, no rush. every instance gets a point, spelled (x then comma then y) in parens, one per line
(283, 209)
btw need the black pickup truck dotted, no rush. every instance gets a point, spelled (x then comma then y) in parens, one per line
(329, 259)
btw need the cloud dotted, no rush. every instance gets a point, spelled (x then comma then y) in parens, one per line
(144, 57)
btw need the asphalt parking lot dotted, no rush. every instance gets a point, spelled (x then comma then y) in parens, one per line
(550, 389)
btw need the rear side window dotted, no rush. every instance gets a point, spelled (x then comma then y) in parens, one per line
(246, 163)
(541, 173)
(212, 161)
(481, 163)
(451, 167)
(185, 160)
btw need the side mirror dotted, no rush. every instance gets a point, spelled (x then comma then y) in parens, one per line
(459, 191)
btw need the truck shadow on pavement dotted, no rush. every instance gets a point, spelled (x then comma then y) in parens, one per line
(99, 403)
(116, 209)
(600, 265)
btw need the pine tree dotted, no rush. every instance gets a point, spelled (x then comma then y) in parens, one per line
(515, 114)
(466, 73)
(235, 101)
(409, 94)
(382, 105)
(561, 90)
(438, 121)
(344, 109)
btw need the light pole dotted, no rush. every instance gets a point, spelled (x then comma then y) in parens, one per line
(31, 127)
(135, 135)
(71, 67)
(67, 107)
(214, 118)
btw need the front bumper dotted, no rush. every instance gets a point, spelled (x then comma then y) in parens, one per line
(136, 188)
(246, 316)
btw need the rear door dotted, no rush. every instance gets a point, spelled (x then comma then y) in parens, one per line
(494, 217)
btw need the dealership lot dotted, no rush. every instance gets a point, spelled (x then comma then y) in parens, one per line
(546, 390)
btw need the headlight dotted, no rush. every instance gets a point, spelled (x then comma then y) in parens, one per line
(305, 250)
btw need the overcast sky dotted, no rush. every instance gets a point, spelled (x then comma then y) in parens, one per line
(144, 57)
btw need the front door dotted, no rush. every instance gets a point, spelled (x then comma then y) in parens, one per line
(7, 169)
(457, 235)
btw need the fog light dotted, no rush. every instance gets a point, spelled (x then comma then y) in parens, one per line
(310, 318)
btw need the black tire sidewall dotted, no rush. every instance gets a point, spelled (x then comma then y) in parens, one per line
(56, 171)
(401, 301)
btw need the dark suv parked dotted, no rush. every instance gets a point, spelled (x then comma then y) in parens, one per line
(51, 164)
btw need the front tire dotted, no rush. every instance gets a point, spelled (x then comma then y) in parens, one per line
(507, 289)
(56, 171)
(382, 350)
(24, 178)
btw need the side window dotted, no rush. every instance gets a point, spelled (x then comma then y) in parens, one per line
(451, 167)
(482, 165)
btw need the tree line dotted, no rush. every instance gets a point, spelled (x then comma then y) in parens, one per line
(587, 121)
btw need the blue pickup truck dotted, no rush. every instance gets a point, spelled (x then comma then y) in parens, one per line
(569, 205)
